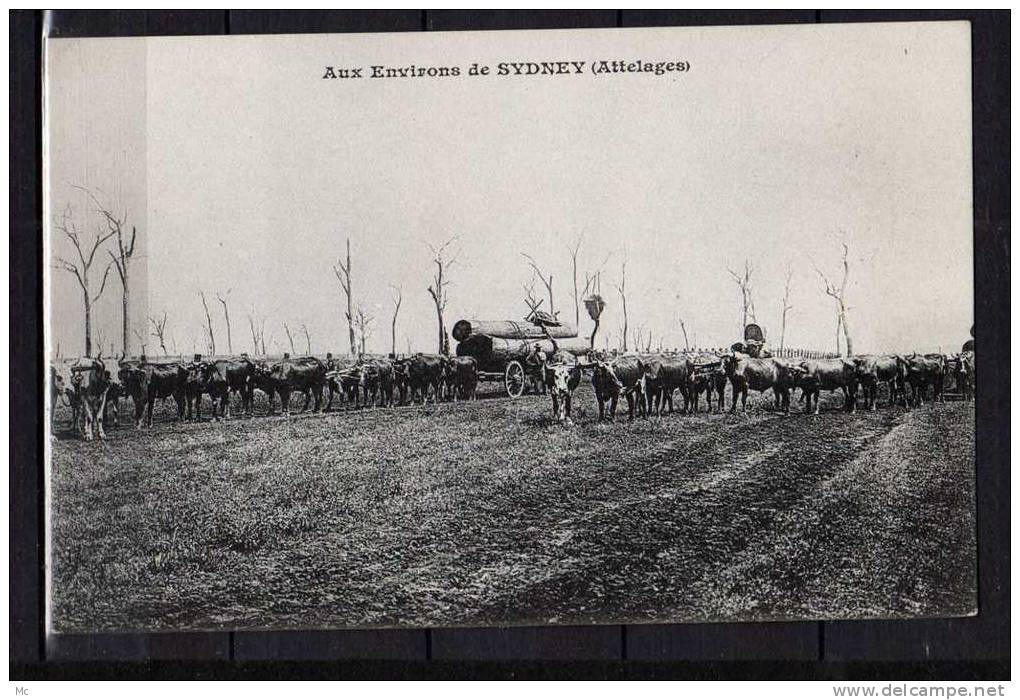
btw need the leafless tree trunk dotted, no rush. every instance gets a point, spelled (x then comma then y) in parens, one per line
(159, 330)
(622, 289)
(577, 298)
(687, 344)
(393, 324)
(226, 318)
(438, 289)
(547, 281)
(342, 270)
(839, 296)
(254, 332)
(121, 260)
(80, 268)
(786, 307)
(208, 321)
(290, 339)
(308, 339)
(363, 322)
(744, 282)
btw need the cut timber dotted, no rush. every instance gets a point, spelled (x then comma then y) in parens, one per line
(510, 330)
(493, 354)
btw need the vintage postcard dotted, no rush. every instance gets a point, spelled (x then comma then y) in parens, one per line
(509, 328)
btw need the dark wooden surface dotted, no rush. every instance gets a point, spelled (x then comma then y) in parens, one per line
(980, 638)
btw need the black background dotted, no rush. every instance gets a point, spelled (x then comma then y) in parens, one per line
(952, 648)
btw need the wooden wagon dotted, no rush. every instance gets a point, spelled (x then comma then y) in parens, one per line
(510, 360)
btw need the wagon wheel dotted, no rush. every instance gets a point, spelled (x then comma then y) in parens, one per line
(514, 379)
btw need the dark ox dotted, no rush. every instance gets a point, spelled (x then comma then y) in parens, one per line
(304, 374)
(828, 375)
(426, 373)
(709, 376)
(922, 372)
(376, 382)
(611, 379)
(90, 380)
(461, 378)
(664, 374)
(206, 378)
(401, 379)
(238, 376)
(145, 382)
(561, 375)
(758, 374)
(874, 371)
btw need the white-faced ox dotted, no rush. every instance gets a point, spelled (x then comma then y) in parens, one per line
(90, 380)
(561, 374)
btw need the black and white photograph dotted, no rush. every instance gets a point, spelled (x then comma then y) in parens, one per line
(490, 329)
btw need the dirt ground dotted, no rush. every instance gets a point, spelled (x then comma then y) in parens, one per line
(489, 512)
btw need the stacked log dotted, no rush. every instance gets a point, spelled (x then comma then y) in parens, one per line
(509, 330)
(493, 354)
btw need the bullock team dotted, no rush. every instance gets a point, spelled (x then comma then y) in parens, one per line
(648, 382)
(93, 391)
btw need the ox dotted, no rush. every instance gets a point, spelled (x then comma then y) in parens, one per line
(709, 376)
(829, 375)
(304, 374)
(759, 374)
(561, 375)
(621, 376)
(461, 378)
(145, 382)
(426, 373)
(922, 372)
(662, 375)
(875, 370)
(376, 382)
(90, 380)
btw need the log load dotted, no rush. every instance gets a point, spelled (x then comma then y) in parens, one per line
(510, 330)
(493, 354)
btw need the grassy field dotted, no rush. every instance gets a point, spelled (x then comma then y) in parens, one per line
(489, 512)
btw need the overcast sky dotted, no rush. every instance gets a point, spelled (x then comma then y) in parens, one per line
(245, 171)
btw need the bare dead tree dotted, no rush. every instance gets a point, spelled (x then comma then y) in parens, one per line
(529, 297)
(438, 290)
(80, 268)
(683, 328)
(546, 281)
(208, 322)
(363, 322)
(290, 338)
(262, 334)
(746, 291)
(577, 298)
(116, 223)
(308, 339)
(159, 330)
(622, 289)
(397, 299)
(226, 318)
(786, 307)
(342, 270)
(838, 294)
(254, 332)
